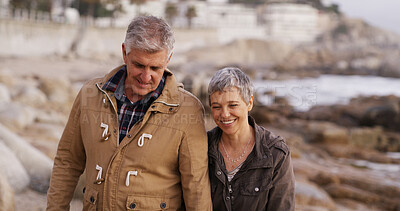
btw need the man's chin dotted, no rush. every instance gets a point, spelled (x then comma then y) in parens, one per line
(143, 92)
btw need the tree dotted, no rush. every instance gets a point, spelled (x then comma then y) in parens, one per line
(171, 11)
(19, 4)
(35, 5)
(253, 2)
(190, 14)
(46, 6)
(112, 8)
(138, 3)
(88, 7)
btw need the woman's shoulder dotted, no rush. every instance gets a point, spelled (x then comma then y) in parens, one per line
(271, 140)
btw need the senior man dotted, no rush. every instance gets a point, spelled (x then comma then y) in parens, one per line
(137, 133)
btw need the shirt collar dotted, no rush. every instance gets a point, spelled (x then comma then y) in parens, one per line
(116, 84)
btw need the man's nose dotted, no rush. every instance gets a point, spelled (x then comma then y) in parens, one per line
(145, 76)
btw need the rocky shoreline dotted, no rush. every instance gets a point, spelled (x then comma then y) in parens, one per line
(340, 152)
(335, 149)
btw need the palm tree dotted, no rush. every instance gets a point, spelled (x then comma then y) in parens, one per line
(138, 3)
(116, 8)
(171, 11)
(190, 14)
(91, 6)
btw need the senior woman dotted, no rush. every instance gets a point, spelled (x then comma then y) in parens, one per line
(250, 168)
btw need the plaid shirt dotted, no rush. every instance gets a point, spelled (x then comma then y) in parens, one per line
(130, 112)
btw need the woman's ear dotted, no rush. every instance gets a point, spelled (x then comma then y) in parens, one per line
(250, 106)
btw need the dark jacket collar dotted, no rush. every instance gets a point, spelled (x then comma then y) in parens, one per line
(260, 156)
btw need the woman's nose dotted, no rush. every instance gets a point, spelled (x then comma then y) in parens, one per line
(225, 112)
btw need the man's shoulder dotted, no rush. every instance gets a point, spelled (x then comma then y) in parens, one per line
(93, 81)
(188, 97)
(99, 81)
(91, 84)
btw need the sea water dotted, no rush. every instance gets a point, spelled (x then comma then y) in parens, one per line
(304, 93)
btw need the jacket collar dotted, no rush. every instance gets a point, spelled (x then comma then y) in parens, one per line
(167, 102)
(260, 157)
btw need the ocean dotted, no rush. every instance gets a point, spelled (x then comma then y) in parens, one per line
(304, 93)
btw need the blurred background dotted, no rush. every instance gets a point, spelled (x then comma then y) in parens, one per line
(326, 76)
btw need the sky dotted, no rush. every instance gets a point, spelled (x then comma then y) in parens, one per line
(381, 13)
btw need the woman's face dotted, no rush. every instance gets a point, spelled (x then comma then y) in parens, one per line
(230, 111)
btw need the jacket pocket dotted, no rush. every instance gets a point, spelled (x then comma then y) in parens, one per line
(151, 203)
(255, 188)
(90, 199)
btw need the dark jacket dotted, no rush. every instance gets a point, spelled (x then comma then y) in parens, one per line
(264, 182)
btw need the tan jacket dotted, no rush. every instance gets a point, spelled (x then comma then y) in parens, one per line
(160, 165)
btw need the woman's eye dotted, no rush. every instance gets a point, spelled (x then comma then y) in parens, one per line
(215, 107)
(233, 105)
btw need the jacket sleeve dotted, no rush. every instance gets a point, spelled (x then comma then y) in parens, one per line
(69, 162)
(193, 163)
(281, 196)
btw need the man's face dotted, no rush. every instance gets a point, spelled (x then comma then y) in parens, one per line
(144, 71)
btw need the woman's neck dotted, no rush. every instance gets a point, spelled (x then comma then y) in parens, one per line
(237, 140)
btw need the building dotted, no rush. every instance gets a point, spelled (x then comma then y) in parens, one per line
(290, 22)
(216, 14)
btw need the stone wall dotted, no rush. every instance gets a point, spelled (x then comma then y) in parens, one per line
(24, 38)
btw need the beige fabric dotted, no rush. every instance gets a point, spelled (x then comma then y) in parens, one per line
(168, 167)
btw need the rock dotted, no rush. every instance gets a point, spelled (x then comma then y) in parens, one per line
(311, 195)
(57, 89)
(38, 165)
(351, 205)
(356, 152)
(384, 188)
(344, 115)
(323, 178)
(12, 169)
(326, 132)
(322, 132)
(387, 116)
(6, 195)
(47, 131)
(249, 51)
(394, 142)
(366, 63)
(51, 117)
(361, 111)
(261, 115)
(369, 138)
(5, 96)
(353, 184)
(31, 96)
(7, 77)
(360, 195)
(16, 116)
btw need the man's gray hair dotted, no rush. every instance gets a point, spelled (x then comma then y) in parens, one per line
(150, 34)
(230, 77)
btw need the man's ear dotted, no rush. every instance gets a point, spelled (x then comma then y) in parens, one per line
(169, 58)
(124, 55)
